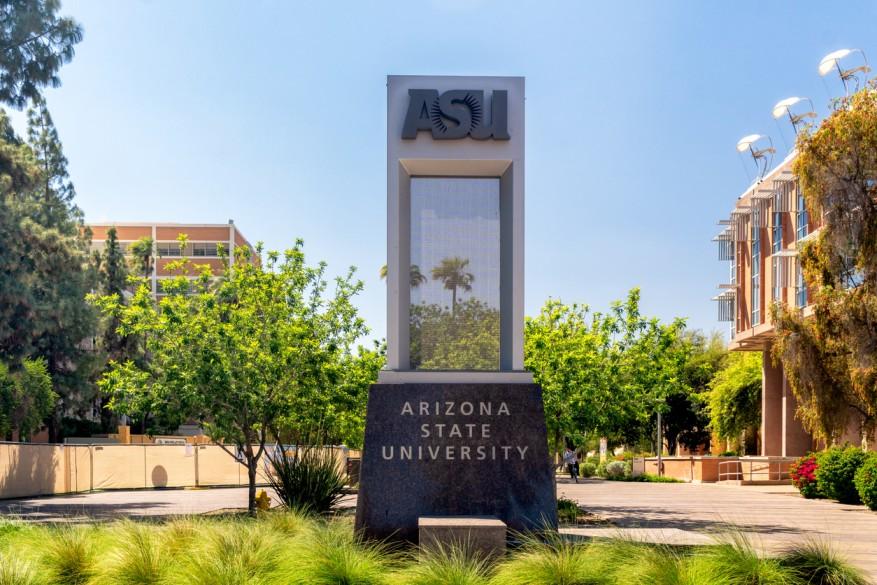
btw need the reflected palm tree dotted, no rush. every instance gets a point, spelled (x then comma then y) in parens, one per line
(452, 273)
(415, 277)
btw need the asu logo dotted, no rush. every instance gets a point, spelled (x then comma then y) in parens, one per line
(456, 114)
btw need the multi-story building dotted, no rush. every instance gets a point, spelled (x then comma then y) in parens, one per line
(202, 246)
(761, 240)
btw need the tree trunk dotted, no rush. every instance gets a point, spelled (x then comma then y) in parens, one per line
(252, 465)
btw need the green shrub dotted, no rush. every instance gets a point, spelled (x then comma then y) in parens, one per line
(232, 553)
(332, 555)
(836, 473)
(140, 558)
(617, 470)
(567, 510)
(815, 563)
(308, 480)
(648, 565)
(803, 474)
(649, 478)
(866, 481)
(588, 469)
(735, 562)
(558, 561)
(287, 522)
(180, 534)
(444, 565)
(70, 556)
(16, 571)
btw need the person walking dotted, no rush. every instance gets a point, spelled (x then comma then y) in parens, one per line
(571, 460)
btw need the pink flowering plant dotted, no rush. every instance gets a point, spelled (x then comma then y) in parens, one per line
(803, 474)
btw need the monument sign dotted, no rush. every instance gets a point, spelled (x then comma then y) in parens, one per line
(455, 426)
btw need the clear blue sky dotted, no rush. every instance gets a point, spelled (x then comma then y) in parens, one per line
(274, 114)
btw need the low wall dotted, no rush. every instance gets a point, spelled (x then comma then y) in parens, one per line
(713, 469)
(28, 469)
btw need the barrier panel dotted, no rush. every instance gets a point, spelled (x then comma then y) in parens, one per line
(170, 466)
(29, 469)
(216, 467)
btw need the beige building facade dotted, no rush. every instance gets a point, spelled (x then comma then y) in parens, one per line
(204, 242)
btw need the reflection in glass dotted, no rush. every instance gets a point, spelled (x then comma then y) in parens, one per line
(455, 243)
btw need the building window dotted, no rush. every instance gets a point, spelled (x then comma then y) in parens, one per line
(800, 287)
(802, 219)
(777, 262)
(756, 268)
(169, 249)
(209, 249)
(735, 321)
(777, 229)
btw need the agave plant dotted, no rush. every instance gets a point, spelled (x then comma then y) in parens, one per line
(308, 480)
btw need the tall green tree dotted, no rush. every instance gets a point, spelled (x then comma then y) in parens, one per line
(26, 398)
(142, 256)
(44, 272)
(58, 249)
(734, 398)
(248, 357)
(19, 175)
(34, 43)
(685, 421)
(113, 281)
(830, 359)
(602, 374)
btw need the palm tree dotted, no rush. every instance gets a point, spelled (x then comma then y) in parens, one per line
(141, 252)
(415, 277)
(452, 273)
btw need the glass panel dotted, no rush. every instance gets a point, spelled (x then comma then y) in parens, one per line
(201, 249)
(800, 288)
(455, 273)
(803, 219)
(756, 270)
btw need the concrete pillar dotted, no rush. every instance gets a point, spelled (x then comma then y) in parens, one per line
(796, 441)
(771, 407)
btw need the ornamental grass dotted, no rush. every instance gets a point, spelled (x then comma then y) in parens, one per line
(289, 548)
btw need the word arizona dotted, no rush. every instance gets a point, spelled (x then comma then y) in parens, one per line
(451, 408)
(453, 452)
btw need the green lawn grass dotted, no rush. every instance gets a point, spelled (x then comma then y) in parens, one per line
(289, 548)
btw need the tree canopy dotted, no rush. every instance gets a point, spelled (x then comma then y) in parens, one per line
(831, 359)
(603, 374)
(34, 43)
(26, 398)
(44, 262)
(262, 352)
(734, 397)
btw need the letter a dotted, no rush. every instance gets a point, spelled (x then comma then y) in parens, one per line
(417, 117)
